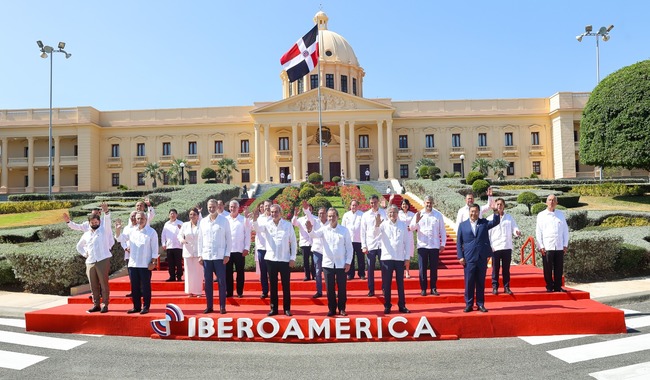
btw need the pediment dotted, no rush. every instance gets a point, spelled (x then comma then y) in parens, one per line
(332, 100)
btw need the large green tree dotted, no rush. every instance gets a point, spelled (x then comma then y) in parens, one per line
(481, 165)
(154, 172)
(225, 167)
(615, 126)
(175, 170)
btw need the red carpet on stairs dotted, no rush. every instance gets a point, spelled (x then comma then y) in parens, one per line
(530, 311)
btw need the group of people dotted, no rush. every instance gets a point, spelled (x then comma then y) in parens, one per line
(332, 247)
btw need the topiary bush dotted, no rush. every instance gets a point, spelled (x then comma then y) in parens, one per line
(7, 276)
(618, 221)
(569, 200)
(529, 199)
(537, 208)
(315, 178)
(318, 202)
(473, 176)
(608, 189)
(632, 260)
(591, 256)
(307, 193)
(423, 172)
(576, 220)
(480, 186)
(336, 179)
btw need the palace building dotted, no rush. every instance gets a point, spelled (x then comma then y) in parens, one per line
(94, 150)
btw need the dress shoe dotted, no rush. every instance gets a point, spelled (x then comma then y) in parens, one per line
(179, 279)
(222, 311)
(228, 295)
(363, 277)
(482, 309)
(561, 290)
(404, 310)
(240, 296)
(169, 279)
(434, 292)
(263, 296)
(549, 290)
(330, 313)
(467, 309)
(387, 310)
(128, 295)
(507, 291)
(350, 278)
(288, 313)
(145, 310)
(134, 310)
(272, 313)
(371, 294)
(317, 295)
(495, 291)
(343, 313)
(305, 279)
(208, 310)
(94, 309)
(104, 309)
(423, 293)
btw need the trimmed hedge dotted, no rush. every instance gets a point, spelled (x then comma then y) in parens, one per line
(569, 200)
(608, 189)
(473, 176)
(29, 206)
(591, 256)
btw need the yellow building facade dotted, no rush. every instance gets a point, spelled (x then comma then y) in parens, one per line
(94, 150)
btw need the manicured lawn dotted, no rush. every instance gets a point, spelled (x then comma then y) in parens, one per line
(639, 203)
(36, 218)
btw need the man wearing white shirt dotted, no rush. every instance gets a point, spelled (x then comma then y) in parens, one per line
(143, 247)
(170, 243)
(432, 237)
(150, 212)
(83, 227)
(463, 212)
(501, 242)
(280, 255)
(260, 246)
(392, 235)
(370, 241)
(240, 231)
(95, 245)
(221, 208)
(552, 233)
(214, 245)
(317, 246)
(337, 255)
(305, 243)
(352, 221)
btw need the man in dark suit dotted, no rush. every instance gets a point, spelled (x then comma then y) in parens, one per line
(473, 245)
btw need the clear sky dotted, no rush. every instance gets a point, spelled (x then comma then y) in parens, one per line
(172, 54)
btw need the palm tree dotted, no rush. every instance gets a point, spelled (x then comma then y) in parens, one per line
(499, 166)
(482, 165)
(154, 171)
(174, 172)
(225, 166)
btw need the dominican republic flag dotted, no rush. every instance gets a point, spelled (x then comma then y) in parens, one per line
(302, 57)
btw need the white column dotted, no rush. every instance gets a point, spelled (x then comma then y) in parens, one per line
(342, 154)
(56, 167)
(4, 181)
(352, 170)
(389, 143)
(304, 151)
(257, 153)
(30, 165)
(380, 149)
(294, 152)
(267, 154)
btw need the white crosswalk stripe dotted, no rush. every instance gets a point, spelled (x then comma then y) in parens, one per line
(18, 361)
(639, 371)
(603, 349)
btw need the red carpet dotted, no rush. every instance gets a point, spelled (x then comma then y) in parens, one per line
(530, 311)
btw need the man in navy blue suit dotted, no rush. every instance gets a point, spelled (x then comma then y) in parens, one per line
(473, 245)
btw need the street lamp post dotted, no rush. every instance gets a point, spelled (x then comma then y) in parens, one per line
(45, 51)
(462, 165)
(603, 33)
(182, 165)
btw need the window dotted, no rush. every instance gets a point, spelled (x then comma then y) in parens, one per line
(290, 89)
(26, 151)
(403, 171)
(482, 139)
(429, 141)
(52, 180)
(165, 178)
(344, 83)
(534, 138)
(115, 179)
(140, 150)
(363, 142)
(301, 85)
(218, 147)
(75, 150)
(76, 179)
(140, 179)
(115, 150)
(511, 168)
(26, 181)
(329, 80)
(578, 166)
(245, 147)
(283, 144)
(537, 167)
(457, 167)
(166, 149)
(455, 140)
(403, 141)
(191, 147)
(509, 139)
(314, 81)
(245, 175)
(354, 86)
(192, 175)
(576, 136)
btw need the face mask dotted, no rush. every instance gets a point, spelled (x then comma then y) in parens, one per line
(94, 227)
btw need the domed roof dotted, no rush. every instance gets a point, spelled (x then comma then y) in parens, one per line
(335, 48)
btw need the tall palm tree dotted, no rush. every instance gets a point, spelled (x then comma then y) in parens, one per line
(154, 172)
(225, 166)
(482, 165)
(174, 173)
(499, 166)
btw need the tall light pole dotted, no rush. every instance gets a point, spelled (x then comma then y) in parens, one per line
(603, 33)
(462, 166)
(45, 51)
(182, 165)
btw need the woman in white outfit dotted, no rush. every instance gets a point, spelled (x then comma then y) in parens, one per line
(193, 269)
(405, 216)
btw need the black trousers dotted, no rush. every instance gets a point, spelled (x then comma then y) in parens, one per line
(175, 262)
(358, 256)
(428, 260)
(501, 258)
(282, 268)
(336, 278)
(308, 262)
(236, 263)
(388, 267)
(553, 269)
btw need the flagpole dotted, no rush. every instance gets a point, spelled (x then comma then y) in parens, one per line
(320, 116)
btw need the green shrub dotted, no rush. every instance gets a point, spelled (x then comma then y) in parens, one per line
(423, 172)
(480, 186)
(576, 220)
(318, 202)
(591, 256)
(529, 199)
(632, 259)
(315, 178)
(624, 221)
(434, 173)
(306, 184)
(473, 176)
(608, 189)
(336, 179)
(569, 200)
(29, 206)
(7, 276)
(537, 208)
(307, 193)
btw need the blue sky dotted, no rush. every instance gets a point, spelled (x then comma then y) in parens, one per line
(172, 54)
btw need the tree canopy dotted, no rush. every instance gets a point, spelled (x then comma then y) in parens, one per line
(615, 126)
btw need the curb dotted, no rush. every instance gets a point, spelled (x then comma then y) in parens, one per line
(624, 298)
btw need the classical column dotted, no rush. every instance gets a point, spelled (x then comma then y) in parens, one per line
(352, 170)
(391, 153)
(4, 181)
(342, 153)
(30, 165)
(267, 154)
(380, 149)
(294, 152)
(257, 153)
(56, 167)
(304, 151)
